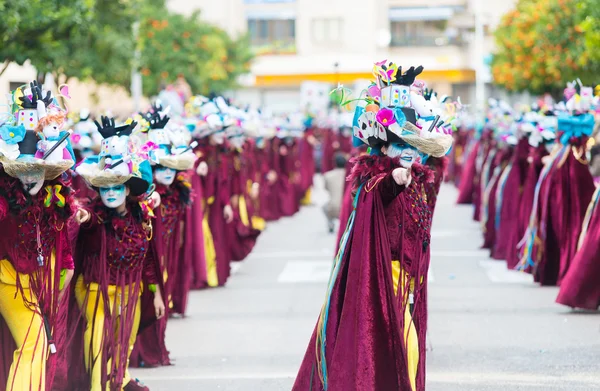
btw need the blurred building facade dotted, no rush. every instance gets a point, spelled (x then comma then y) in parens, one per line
(337, 41)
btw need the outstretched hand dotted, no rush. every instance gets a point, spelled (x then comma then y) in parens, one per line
(402, 176)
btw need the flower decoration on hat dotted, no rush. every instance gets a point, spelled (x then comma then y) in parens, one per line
(384, 71)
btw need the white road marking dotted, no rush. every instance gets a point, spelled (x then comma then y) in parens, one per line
(232, 376)
(296, 272)
(461, 253)
(305, 271)
(452, 233)
(294, 254)
(498, 273)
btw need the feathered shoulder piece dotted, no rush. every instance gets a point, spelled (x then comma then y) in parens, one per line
(369, 166)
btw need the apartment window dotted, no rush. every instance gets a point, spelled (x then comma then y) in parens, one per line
(326, 31)
(272, 35)
(424, 33)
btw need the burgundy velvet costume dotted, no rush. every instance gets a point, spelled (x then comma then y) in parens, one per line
(486, 149)
(467, 186)
(195, 233)
(567, 195)
(307, 160)
(327, 150)
(242, 238)
(264, 207)
(216, 193)
(525, 205)
(511, 192)
(287, 191)
(580, 286)
(173, 255)
(112, 250)
(496, 168)
(20, 216)
(365, 347)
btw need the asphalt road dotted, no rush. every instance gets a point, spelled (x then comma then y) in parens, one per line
(489, 328)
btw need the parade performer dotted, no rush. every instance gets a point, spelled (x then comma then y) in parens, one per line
(563, 192)
(114, 257)
(371, 331)
(579, 288)
(171, 162)
(540, 137)
(509, 190)
(199, 270)
(36, 265)
(490, 185)
(467, 187)
(213, 164)
(241, 232)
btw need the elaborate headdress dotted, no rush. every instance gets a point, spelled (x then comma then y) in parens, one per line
(387, 113)
(20, 143)
(120, 161)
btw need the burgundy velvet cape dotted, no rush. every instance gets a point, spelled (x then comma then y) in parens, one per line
(195, 233)
(466, 189)
(307, 160)
(567, 196)
(525, 205)
(496, 168)
(580, 287)
(511, 192)
(365, 348)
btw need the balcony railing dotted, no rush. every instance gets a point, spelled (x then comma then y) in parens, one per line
(274, 46)
(427, 40)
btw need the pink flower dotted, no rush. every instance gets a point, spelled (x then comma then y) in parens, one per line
(386, 117)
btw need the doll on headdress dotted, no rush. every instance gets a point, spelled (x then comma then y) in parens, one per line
(53, 147)
(114, 153)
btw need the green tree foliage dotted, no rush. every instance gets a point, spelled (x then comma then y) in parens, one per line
(37, 30)
(95, 39)
(174, 45)
(541, 46)
(590, 11)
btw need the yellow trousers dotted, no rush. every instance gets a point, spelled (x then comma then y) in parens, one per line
(94, 311)
(306, 200)
(210, 254)
(410, 333)
(28, 368)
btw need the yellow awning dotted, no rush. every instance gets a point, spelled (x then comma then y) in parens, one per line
(448, 75)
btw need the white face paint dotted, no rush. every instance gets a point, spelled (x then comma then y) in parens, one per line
(33, 181)
(218, 138)
(164, 176)
(408, 155)
(114, 196)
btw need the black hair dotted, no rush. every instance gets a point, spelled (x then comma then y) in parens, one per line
(340, 160)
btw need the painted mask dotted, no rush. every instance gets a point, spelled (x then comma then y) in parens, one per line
(164, 176)
(408, 154)
(113, 196)
(33, 181)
